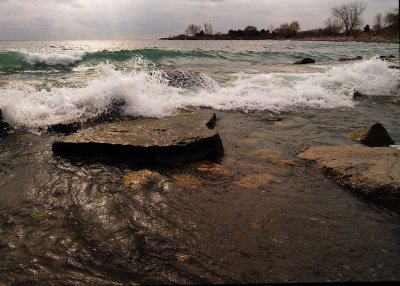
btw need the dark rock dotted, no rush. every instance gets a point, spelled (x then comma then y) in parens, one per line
(385, 58)
(358, 95)
(371, 172)
(4, 126)
(175, 139)
(372, 136)
(66, 127)
(305, 61)
(357, 58)
(185, 79)
(113, 112)
(394, 67)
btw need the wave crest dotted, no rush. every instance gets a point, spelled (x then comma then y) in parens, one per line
(53, 58)
(149, 94)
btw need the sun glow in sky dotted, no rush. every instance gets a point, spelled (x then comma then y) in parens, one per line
(151, 19)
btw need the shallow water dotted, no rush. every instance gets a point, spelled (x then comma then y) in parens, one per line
(261, 215)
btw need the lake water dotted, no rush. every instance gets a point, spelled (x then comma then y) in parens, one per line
(261, 215)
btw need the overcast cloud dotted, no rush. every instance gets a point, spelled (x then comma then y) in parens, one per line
(152, 19)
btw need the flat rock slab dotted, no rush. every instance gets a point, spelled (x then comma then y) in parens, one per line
(371, 172)
(176, 139)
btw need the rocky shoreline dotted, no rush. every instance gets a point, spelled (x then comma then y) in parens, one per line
(373, 171)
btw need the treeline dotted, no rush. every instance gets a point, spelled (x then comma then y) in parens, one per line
(345, 19)
(193, 31)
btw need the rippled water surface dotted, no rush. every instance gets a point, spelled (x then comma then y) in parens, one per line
(261, 215)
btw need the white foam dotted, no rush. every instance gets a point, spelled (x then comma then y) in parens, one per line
(148, 94)
(53, 58)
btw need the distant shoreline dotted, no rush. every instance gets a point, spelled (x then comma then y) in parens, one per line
(371, 39)
(363, 39)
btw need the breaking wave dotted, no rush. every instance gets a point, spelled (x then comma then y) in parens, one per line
(149, 94)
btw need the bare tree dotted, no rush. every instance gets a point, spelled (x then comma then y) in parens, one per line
(271, 27)
(350, 15)
(378, 22)
(333, 26)
(392, 17)
(192, 30)
(208, 30)
(294, 27)
(288, 30)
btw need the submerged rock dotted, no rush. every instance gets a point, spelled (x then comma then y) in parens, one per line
(305, 61)
(175, 139)
(373, 136)
(371, 172)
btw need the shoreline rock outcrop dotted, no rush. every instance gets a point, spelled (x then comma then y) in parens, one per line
(176, 139)
(373, 173)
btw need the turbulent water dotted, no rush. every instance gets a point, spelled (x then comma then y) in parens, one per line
(261, 215)
(44, 82)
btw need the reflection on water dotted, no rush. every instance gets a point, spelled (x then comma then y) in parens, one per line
(262, 215)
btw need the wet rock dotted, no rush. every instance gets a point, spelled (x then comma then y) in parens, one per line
(358, 95)
(185, 79)
(175, 139)
(357, 58)
(373, 136)
(305, 61)
(112, 112)
(66, 127)
(4, 126)
(386, 58)
(371, 172)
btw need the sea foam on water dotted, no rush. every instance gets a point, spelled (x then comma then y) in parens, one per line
(148, 93)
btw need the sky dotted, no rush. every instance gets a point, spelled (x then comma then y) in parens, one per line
(152, 19)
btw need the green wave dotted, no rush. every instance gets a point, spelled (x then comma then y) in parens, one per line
(14, 62)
